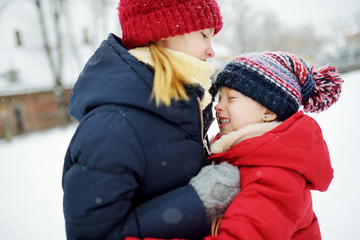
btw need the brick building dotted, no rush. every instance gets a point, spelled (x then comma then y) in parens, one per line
(26, 112)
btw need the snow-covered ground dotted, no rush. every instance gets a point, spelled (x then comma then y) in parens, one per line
(31, 194)
(31, 166)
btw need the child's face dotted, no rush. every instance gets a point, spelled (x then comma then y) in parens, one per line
(196, 44)
(235, 110)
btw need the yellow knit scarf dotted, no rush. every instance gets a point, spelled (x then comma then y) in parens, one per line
(199, 72)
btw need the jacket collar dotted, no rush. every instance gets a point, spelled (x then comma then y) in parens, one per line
(229, 140)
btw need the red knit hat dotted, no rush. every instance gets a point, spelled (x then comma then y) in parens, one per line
(144, 21)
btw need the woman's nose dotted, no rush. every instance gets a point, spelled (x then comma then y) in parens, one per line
(210, 51)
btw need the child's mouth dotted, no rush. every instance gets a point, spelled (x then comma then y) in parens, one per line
(223, 121)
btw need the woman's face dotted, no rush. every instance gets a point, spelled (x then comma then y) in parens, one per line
(196, 44)
(235, 110)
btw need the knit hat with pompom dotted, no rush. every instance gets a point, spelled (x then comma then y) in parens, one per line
(144, 21)
(281, 82)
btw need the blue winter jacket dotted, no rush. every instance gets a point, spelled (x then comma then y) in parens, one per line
(128, 165)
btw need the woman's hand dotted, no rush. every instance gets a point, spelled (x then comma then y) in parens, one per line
(217, 185)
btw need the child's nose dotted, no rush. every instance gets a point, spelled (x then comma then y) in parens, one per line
(218, 107)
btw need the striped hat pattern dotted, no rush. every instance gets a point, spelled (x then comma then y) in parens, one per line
(282, 82)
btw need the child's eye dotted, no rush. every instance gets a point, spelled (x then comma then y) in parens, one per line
(204, 35)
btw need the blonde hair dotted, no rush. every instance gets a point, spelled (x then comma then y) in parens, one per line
(169, 79)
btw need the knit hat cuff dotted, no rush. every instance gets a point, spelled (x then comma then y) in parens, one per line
(255, 86)
(176, 20)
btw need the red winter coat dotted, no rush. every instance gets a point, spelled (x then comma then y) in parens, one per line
(279, 165)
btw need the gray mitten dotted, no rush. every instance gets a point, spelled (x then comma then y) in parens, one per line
(217, 185)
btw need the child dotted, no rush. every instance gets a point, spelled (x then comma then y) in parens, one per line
(280, 151)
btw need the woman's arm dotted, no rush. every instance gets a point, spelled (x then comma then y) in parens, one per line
(103, 167)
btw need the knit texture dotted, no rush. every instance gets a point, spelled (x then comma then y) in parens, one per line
(217, 185)
(281, 82)
(197, 71)
(144, 21)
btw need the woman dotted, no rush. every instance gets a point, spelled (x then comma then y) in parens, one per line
(139, 103)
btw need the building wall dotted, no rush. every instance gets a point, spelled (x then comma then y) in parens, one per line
(353, 40)
(24, 113)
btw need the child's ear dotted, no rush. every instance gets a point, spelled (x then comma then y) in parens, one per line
(269, 116)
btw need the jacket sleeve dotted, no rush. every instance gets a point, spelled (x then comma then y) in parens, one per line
(103, 165)
(269, 206)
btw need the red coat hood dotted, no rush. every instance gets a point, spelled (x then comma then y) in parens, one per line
(296, 144)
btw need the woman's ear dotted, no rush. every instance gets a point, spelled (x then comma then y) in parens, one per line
(269, 116)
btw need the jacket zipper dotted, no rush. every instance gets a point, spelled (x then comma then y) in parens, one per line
(203, 136)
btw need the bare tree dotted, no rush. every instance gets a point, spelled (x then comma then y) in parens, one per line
(99, 20)
(55, 54)
(234, 34)
(71, 39)
(268, 32)
(247, 28)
